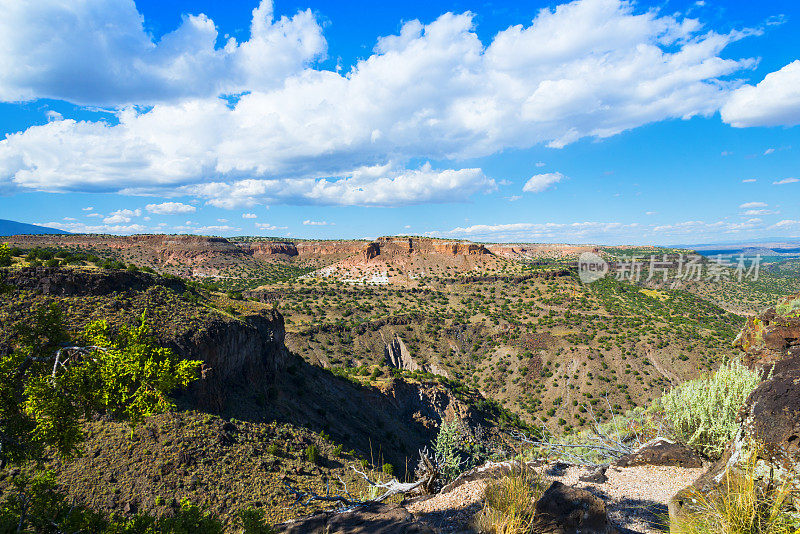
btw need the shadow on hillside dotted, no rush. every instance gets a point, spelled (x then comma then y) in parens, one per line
(638, 514)
(634, 516)
(388, 426)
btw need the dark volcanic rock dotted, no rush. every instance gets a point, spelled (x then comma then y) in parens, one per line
(567, 510)
(773, 335)
(661, 452)
(376, 518)
(246, 352)
(55, 281)
(595, 475)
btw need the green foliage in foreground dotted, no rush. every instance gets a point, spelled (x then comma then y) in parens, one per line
(5, 255)
(37, 506)
(703, 411)
(45, 394)
(46, 390)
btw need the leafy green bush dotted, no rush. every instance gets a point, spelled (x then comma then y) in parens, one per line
(388, 469)
(5, 255)
(703, 411)
(46, 390)
(448, 449)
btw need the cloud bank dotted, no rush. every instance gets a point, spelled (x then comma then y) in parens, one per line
(294, 133)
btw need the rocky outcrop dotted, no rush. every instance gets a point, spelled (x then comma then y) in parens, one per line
(372, 250)
(769, 431)
(72, 282)
(773, 335)
(569, 510)
(411, 245)
(398, 356)
(377, 518)
(661, 452)
(272, 248)
(235, 354)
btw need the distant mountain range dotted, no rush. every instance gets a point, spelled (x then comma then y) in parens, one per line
(764, 247)
(18, 228)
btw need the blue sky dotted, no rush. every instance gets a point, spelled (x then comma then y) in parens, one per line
(591, 121)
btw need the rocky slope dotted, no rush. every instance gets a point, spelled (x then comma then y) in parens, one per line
(243, 430)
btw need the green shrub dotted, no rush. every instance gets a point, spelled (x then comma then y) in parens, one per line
(388, 469)
(448, 447)
(703, 411)
(127, 378)
(253, 521)
(5, 255)
(312, 454)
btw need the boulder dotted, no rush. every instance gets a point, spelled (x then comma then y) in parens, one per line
(661, 451)
(568, 510)
(595, 475)
(773, 335)
(375, 518)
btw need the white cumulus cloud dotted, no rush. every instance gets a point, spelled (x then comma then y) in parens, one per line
(268, 226)
(170, 208)
(98, 52)
(122, 216)
(540, 182)
(295, 133)
(775, 101)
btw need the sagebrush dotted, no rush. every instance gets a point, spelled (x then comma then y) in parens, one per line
(703, 411)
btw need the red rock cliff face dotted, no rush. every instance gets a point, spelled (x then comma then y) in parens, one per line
(372, 250)
(270, 248)
(321, 248)
(160, 241)
(397, 245)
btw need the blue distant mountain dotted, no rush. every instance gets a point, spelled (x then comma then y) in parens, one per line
(14, 228)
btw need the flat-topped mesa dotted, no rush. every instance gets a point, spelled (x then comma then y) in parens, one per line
(536, 250)
(202, 244)
(773, 335)
(393, 246)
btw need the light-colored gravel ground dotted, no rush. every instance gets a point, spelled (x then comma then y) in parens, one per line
(636, 497)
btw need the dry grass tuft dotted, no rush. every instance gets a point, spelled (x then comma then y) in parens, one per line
(509, 503)
(742, 504)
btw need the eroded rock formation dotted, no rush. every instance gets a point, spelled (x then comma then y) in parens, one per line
(772, 335)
